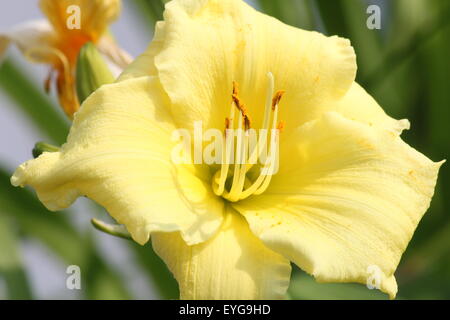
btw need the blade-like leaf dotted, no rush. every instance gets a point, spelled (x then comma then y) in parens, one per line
(55, 231)
(11, 269)
(157, 271)
(33, 102)
(154, 267)
(395, 58)
(297, 13)
(100, 281)
(332, 14)
(304, 287)
(150, 10)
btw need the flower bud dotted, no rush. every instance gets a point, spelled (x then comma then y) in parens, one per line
(92, 71)
(41, 147)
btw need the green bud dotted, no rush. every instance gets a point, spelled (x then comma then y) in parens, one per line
(41, 147)
(92, 71)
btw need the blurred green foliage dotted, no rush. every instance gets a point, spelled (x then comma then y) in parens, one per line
(404, 66)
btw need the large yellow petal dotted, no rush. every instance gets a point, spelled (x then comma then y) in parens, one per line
(118, 153)
(207, 44)
(234, 264)
(358, 105)
(95, 15)
(144, 65)
(346, 200)
(205, 51)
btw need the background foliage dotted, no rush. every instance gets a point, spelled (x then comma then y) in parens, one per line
(404, 66)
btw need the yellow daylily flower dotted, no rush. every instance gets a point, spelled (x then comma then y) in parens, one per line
(348, 193)
(56, 42)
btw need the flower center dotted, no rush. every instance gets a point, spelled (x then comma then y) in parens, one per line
(247, 166)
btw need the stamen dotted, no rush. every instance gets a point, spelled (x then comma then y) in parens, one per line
(270, 88)
(227, 126)
(239, 104)
(246, 122)
(265, 124)
(220, 177)
(262, 182)
(48, 80)
(235, 88)
(273, 143)
(242, 169)
(239, 158)
(242, 159)
(276, 98)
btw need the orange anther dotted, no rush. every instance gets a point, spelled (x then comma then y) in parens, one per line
(235, 88)
(276, 98)
(247, 122)
(239, 104)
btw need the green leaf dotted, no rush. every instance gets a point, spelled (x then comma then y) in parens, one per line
(54, 230)
(297, 13)
(157, 271)
(33, 102)
(396, 57)
(348, 18)
(100, 281)
(304, 287)
(150, 10)
(429, 257)
(332, 15)
(154, 267)
(11, 269)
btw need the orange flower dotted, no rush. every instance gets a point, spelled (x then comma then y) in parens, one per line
(58, 40)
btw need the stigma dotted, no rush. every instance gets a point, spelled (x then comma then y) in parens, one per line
(249, 157)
